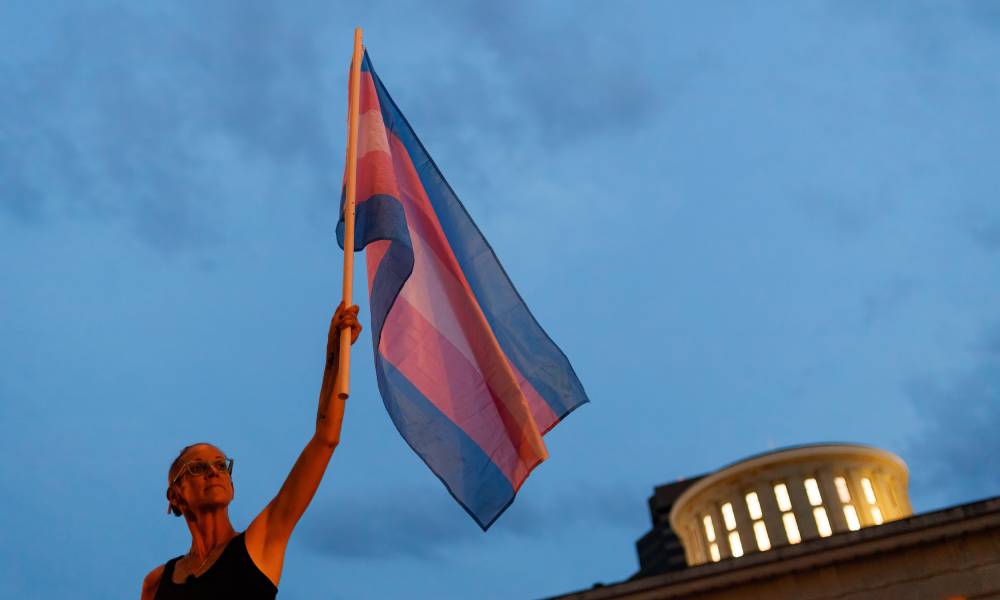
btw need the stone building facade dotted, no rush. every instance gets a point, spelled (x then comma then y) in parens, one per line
(821, 521)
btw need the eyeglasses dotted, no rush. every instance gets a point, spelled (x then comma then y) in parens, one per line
(201, 467)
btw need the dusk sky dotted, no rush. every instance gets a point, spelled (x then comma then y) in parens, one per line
(747, 224)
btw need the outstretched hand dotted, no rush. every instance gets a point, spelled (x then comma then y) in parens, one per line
(344, 317)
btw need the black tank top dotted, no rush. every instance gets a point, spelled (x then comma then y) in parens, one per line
(234, 575)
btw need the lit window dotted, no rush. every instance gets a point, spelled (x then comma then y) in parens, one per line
(852, 517)
(734, 544)
(781, 495)
(822, 523)
(876, 515)
(866, 485)
(760, 532)
(756, 515)
(791, 528)
(842, 491)
(753, 506)
(728, 517)
(812, 491)
(709, 529)
(713, 550)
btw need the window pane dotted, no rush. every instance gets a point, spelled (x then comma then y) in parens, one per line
(713, 551)
(812, 491)
(760, 532)
(753, 506)
(852, 517)
(842, 491)
(728, 517)
(709, 529)
(791, 528)
(866, 485)
(781, 495)
(822, 523)
(734, 544)
(876, 515)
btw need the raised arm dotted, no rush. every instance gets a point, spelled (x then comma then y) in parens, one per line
(268, 535)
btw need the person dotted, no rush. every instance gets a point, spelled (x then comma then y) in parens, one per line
(222, 563)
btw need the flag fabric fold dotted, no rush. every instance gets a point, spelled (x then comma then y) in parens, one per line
(469, 378)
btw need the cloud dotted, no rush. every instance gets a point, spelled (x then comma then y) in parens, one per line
(886, 300)
(985, 14)
(534, 79)
(426, 524)
(953, 457)
(986, 232)
(395, 524)
(571, 78)
(19, 197)
(163, 119)
(166, 118)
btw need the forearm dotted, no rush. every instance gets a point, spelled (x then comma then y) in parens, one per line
(330, 413)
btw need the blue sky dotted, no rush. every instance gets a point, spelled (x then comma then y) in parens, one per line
(748, 225)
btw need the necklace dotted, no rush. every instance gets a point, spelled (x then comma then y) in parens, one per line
(208, 557)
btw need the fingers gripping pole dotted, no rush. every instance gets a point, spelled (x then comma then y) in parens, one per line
(342, 384)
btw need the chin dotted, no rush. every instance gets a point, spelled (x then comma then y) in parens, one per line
(218, 495)
(215, 504)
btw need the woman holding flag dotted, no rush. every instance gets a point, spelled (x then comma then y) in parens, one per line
(222, 563)
(467, 374)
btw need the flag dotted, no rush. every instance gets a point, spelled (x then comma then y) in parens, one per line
(469, 378)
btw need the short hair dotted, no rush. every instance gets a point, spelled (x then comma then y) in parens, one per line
(172, 473)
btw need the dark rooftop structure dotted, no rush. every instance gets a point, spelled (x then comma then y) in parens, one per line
(812, 522)
(660, 550)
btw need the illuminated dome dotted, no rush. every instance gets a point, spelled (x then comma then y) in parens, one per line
(787, 496)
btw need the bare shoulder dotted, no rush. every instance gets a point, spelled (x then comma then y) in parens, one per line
(152, 583)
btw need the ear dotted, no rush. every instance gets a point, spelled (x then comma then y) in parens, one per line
(175, 500)
(171, 509)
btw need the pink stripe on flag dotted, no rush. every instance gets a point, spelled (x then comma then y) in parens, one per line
(371, 133)
(368, 94)
(375, 169)
(423, 222)
(445, 299)
(442, 374)
(433, 291)
(373, 258)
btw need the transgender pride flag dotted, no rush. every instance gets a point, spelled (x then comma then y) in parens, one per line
(467, 374)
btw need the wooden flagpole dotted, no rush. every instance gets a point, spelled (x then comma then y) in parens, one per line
(342, 384)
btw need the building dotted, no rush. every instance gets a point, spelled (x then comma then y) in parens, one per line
(810, 522)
